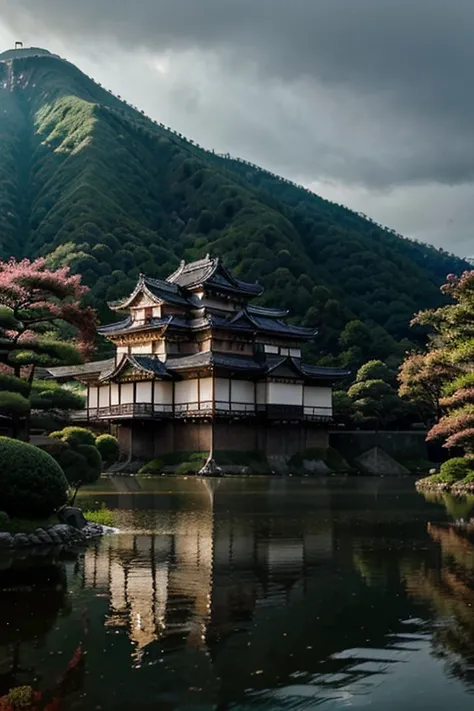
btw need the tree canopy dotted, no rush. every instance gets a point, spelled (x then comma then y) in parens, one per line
(40, 314)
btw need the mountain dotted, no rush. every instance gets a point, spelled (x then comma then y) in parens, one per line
(88, 180)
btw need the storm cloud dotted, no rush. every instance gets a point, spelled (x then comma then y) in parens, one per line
(371, 98)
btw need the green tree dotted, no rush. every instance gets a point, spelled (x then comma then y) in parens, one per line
(374, 399)
(75, 450)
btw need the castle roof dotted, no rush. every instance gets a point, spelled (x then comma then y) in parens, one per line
(255, 367)
(158, 291)
(211, 272)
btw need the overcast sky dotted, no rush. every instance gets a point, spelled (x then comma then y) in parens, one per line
(368, 102)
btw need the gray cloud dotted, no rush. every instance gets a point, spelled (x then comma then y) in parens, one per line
(365, 93)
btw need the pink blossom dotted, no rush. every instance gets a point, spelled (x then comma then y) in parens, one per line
(464, 439)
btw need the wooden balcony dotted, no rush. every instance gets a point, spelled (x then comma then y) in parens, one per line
(204, 410)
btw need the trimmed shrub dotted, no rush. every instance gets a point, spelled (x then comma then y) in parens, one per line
(454, 470)
(75, 436)
(81, 465)
(153, 467)
(70, 461)
(4, 521)
(93, 463)
(32, 484)
(108, 447)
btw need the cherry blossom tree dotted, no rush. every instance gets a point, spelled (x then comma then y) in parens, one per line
(443, 377)
(42, 323)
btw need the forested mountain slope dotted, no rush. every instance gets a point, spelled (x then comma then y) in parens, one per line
(90, 181)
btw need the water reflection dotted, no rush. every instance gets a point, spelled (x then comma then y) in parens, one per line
(264, 594)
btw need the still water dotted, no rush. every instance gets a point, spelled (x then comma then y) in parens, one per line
(252, 594)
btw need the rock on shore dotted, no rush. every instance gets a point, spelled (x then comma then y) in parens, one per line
(60, 535)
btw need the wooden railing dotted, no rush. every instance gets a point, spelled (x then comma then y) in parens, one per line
(205, 409)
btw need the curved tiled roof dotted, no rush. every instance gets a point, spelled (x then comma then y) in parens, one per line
(147, 364)
(158, 290)
(211, 271)
(265, 311)
(74, 371)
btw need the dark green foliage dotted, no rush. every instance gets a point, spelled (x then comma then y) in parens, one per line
(193, 466)
(153, 467)
(32, 484)
(75, 451)
(13, 404)
(71, 462)
(75, 436)
(51, 403)
(108, 447)
(15, 385)
(375, 370)
(455, 469)
(92, 183)
(93, 460)
(342, 405)
(375, 401)
(254, 460)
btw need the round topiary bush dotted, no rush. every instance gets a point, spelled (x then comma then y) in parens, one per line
(32, 484)
(81, 465)
(108, 447)
(75, 436)
(93, 461)
(454, 470)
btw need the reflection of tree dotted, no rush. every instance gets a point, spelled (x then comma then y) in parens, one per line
(30, 601)
(458, 507)
(450, 590)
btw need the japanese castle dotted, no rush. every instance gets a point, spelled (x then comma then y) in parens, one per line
(198, 367)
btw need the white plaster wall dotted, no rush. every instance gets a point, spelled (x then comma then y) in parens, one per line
(295, 352)
(143, 300)
(104, 394)
(206, 390)
(93, 397)
(284, 394)
(139, 315)
(159, 346)
(318, 397)
(243, 392)
(186, 391)
(271, 349)
(126, 395)
(261, 393)
(315, 396)
(114, 394)
(144, 391)
(156, 311)
(221, 392)
(121, 351)
(144, 348)
(163, 393)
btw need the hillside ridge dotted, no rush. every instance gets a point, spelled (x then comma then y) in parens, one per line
(88, 180)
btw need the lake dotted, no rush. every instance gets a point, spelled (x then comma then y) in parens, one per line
(249, 594)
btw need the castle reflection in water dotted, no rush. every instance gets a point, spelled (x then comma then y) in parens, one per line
(201, 570)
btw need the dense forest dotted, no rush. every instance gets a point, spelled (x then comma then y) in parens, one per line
(89, 181)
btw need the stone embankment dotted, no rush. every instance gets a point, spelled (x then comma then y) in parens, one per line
(458, 488)
(59, 535)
